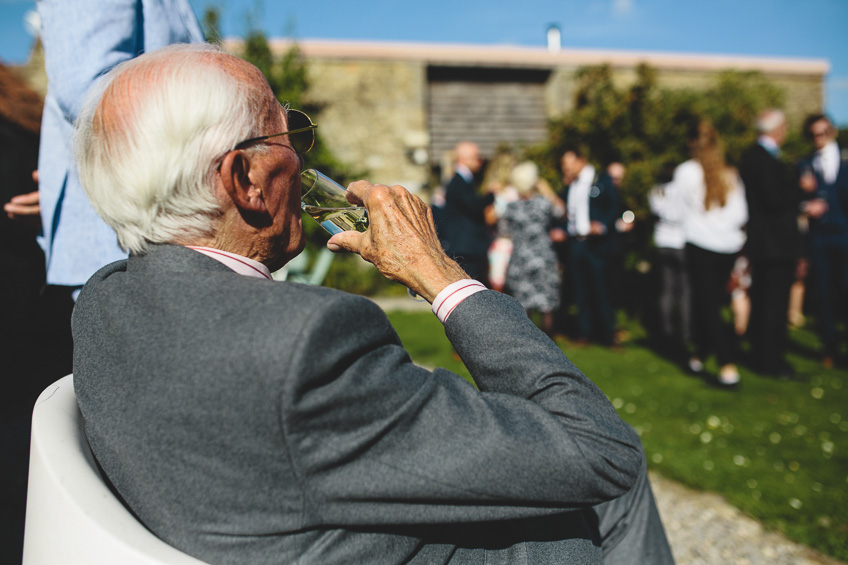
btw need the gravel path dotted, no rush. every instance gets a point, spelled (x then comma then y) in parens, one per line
(702, 528)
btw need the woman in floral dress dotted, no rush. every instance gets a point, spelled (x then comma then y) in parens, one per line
(532, 276)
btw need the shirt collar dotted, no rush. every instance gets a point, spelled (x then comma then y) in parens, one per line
(465, 173)
(830, 149)
(586, 175)
(769, 145)
(240, 264)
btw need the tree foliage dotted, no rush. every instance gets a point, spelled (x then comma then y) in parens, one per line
(211, 25)
(643, 125)
(288, 78)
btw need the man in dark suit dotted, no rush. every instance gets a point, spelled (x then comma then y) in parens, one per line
(464, 230)
(592, 203)
(774, 242)
(245, 420)
(824, 175)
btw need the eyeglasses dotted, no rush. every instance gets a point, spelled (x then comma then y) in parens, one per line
(301, 133)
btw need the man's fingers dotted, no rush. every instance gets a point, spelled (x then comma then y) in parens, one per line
(345, 241)
(357, 191)
(370, 195)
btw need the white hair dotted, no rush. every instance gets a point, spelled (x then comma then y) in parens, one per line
(769, 120)
(524, 176)
(149, 136)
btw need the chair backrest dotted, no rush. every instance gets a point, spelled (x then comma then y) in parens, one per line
(72, 517)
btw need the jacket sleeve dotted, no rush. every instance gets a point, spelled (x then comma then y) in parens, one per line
(378, 440)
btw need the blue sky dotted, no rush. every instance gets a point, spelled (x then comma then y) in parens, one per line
(785, 28)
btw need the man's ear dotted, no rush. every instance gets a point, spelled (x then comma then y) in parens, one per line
(240, 187)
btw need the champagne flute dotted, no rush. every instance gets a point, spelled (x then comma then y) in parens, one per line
(325, 200)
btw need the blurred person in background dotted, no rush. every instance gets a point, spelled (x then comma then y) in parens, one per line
(497, 181)
(616, 171)
(592, 208)
(824, 176)
(532, 277)
(774, 243)
(82, 40)
(628, 244)
(674, 300)
(23, 329)
(714, 213)
(464, 231)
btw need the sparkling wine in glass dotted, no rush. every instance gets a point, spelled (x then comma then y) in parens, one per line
(336, 220)
(324, 199)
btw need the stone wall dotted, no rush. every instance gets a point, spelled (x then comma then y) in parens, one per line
(374, 115)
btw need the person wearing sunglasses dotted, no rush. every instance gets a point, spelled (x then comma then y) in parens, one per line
(245, 420)
(824, 178)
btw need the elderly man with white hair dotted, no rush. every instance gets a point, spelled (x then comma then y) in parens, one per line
(245, 420)
(774, 243)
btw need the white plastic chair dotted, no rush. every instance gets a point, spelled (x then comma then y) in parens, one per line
(72, 517)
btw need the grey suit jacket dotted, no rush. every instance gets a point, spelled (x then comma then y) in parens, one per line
(251, 421)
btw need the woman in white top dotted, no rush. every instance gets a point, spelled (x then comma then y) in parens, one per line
(714, 214)
(674, 300)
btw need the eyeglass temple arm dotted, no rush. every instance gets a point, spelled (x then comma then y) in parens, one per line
(264, 137)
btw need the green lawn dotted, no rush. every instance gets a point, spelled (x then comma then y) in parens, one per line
(777, 450)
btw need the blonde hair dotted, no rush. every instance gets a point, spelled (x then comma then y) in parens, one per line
(524, 177)
(708, 151)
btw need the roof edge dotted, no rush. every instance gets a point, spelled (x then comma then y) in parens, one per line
(515, 55)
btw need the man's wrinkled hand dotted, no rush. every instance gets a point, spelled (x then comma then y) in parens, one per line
(400, 241)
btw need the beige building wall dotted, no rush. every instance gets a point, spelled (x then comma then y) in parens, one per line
(374, 115)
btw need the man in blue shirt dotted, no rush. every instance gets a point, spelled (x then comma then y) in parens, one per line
(82, 40)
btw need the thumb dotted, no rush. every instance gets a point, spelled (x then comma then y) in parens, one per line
(345, 241)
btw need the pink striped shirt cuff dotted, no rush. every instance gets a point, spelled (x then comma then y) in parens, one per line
(452, 295)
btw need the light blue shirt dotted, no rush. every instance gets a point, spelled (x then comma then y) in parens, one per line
(83, 39)
(769, 145)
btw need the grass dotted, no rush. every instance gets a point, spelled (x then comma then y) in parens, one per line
(777, 450)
